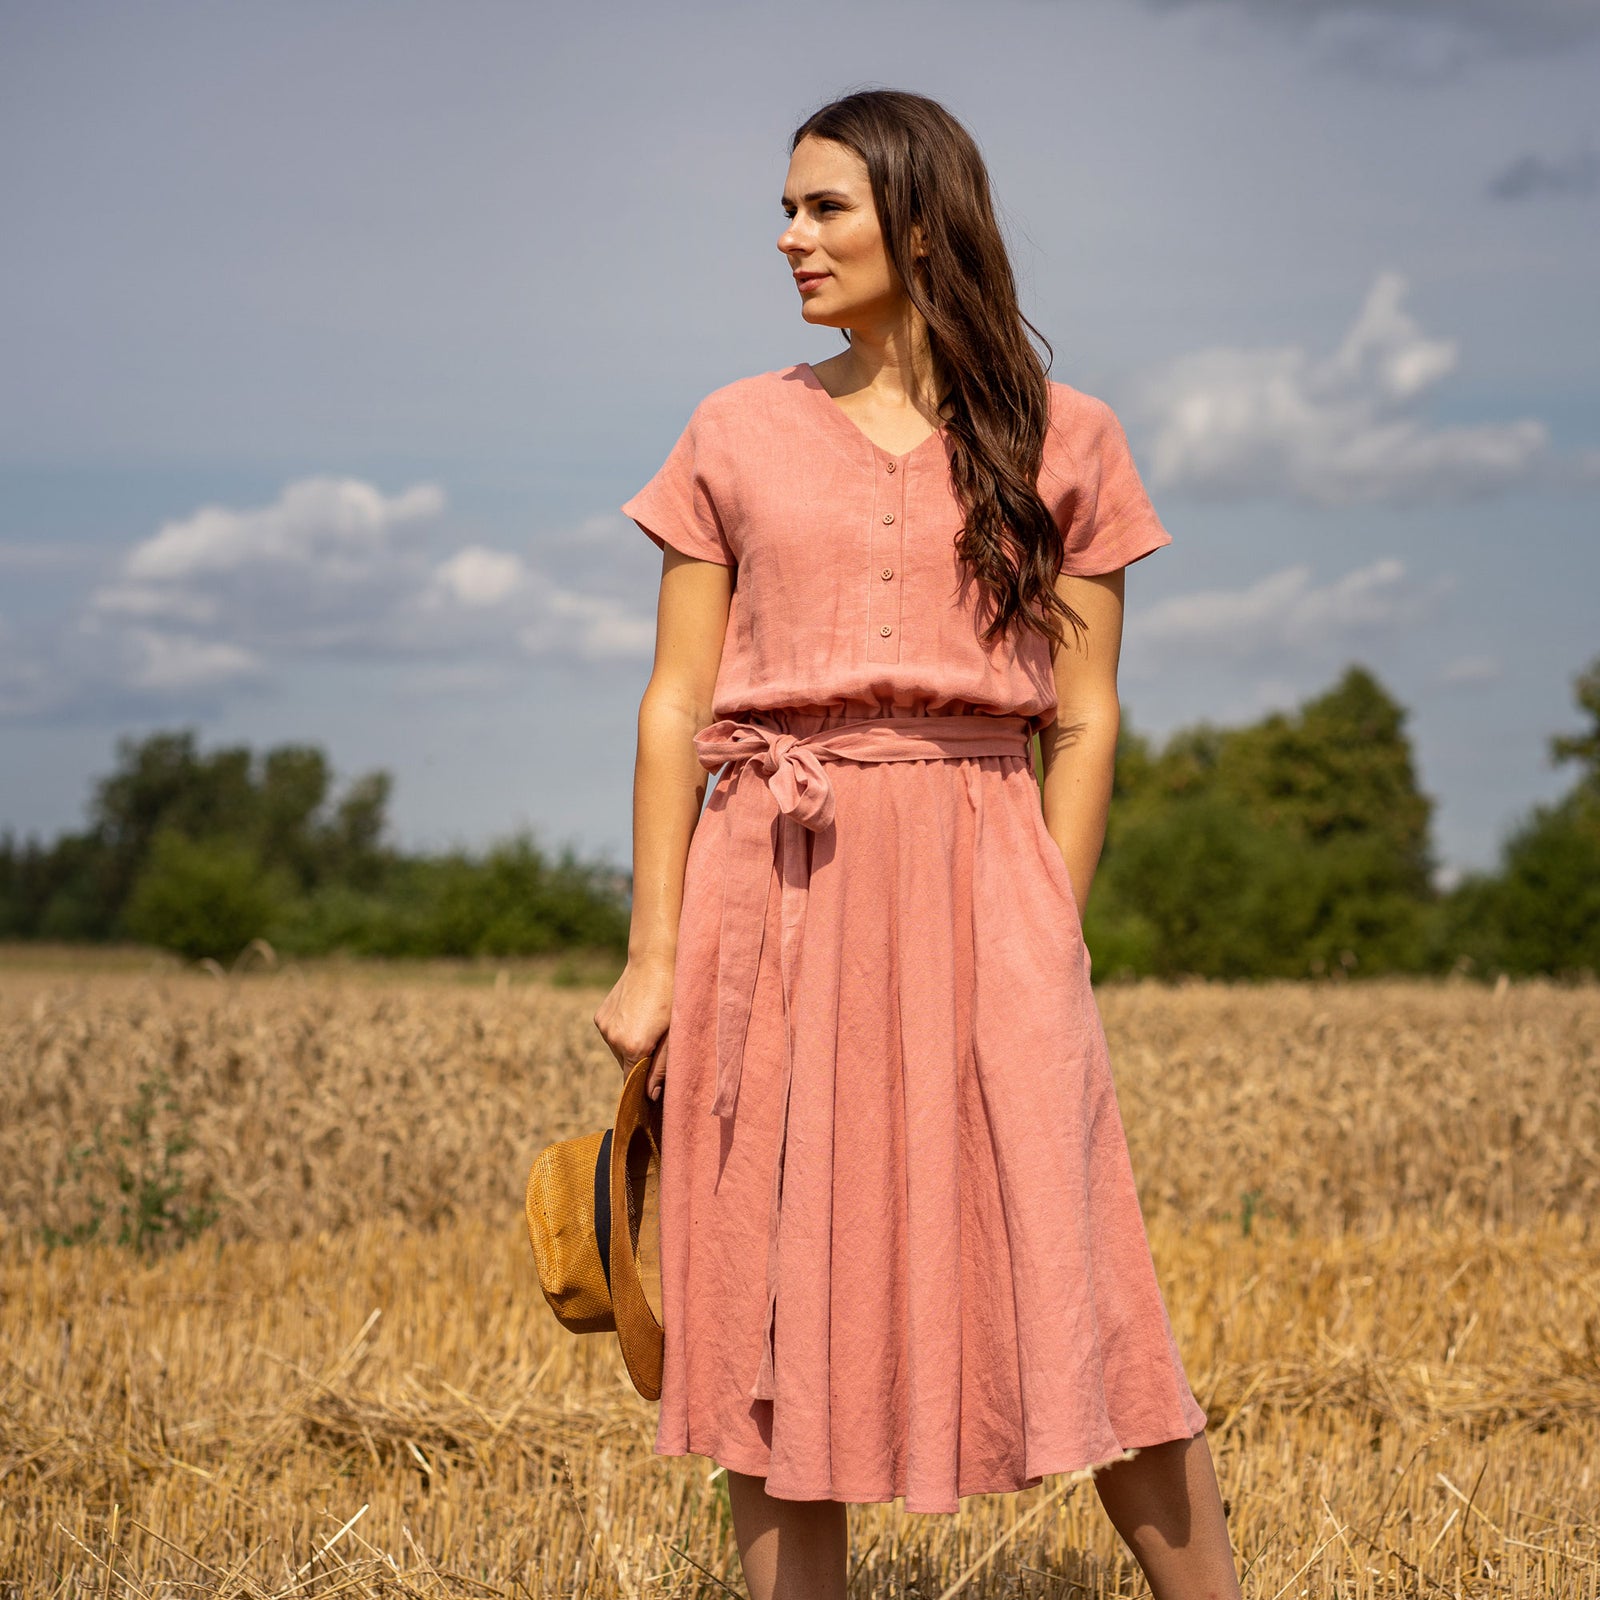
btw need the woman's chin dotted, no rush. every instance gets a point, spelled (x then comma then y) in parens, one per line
(820, 318)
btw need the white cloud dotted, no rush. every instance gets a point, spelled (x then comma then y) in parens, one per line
(332, 570)
(323, 568)
(333, 524)
(152, 600)
(1342, 429)
(169, 661)
(1466, 671)
(607, 627)
(549, 617)
(476, 576)
(1284, 613)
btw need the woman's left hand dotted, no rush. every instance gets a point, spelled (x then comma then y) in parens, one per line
(654, 1084)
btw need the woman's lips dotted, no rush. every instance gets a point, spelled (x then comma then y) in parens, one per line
(808, 280)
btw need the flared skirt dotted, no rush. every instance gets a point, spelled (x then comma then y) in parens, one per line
(963, 1296)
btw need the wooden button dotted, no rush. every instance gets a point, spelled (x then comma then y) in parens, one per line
(884, 629)
(888, 516)
(888, 572)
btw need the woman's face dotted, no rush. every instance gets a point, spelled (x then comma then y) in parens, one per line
(834, 244)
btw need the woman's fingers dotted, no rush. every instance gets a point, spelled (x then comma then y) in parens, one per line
(628, 1060)
(658, 1072)
(620, 1012)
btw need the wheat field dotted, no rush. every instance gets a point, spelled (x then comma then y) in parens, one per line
(1372, 1207)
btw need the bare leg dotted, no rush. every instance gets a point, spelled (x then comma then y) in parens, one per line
(790, 1549)
(1165, 1503)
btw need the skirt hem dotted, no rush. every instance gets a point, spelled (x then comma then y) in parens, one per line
(732, 1461)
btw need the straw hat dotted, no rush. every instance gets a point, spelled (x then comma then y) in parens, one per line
(589, 1269)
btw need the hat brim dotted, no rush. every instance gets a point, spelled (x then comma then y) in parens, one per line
(634, 1139)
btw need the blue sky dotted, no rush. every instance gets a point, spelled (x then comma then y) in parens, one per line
(334, 335)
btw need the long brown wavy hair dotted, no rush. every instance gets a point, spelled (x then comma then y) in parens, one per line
(925, 168)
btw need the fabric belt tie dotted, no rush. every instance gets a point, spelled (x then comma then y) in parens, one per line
(788, 776)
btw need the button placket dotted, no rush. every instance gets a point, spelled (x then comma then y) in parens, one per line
(884, 609)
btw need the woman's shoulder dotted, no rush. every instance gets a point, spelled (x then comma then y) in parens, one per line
(758, 394)
(1084, 434)
(1089, 477)
(1079, 413)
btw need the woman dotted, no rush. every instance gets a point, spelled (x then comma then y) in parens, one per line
(902, 1253)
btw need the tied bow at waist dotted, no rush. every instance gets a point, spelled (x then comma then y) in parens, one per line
(784, 775)
(793, 785)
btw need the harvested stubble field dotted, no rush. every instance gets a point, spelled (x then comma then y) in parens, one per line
(1372, 1207)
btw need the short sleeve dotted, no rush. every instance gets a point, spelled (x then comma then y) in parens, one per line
(677, 507)
(1112, 522)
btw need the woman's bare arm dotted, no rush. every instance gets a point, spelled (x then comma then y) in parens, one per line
(1079, 749)
(669, 787)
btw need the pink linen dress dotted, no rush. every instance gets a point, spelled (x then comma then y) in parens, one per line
(902, 1253)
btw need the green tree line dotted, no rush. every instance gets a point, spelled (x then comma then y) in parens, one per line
(1295, 846)
(1299, 846)
(200, 853)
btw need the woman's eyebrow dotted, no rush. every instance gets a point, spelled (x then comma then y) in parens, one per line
(820, 194)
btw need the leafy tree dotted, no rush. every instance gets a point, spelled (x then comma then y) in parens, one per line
(353, 851)
(1583, 748)
(516, 900)
(200, 853)
(164, 783)
(293, 786)
(203, 897)
(1541, 911)
(1339, 769)
(53, 891)
(1195, 885)
(1297, 844)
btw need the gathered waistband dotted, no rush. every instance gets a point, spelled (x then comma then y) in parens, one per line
(787, 772)
(815, 717)
(769, 737)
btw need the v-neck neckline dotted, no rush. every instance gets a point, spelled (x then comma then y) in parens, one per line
(842, 418)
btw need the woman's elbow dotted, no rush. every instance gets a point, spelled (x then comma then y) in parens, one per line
(672, 701)
(1087, 716)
